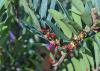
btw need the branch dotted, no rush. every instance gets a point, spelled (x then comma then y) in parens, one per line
(60, 61)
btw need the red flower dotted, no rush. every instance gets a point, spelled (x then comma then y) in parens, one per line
(52, 46)
(53, 35)
(52, 43)
(69, 47)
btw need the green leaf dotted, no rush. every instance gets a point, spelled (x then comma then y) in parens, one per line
(56, 15)
(2, 2)
(89, 49)
(73, 29)
(97, 52)
(35, 4)
(74, 9)
(64, 69)
(98, 35)
(84, 62)
(43, 9)
(57, 31)
(86, 16)
(4, 27)
(90, 58)
(73, 26)
(76, 16)
(97, 39)
(52, 6)
(31, 13)
(70, 67)
(78, 5)
(7, 2)
(76, 64)
(65, 29)
(88, 6)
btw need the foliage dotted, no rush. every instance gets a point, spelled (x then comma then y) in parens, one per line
(49, 35)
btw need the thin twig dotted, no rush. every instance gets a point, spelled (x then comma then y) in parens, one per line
(60, 61)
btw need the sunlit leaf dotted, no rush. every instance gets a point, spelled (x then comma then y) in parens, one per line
(79, 5)
(76, 17)
(76, 64)
(70, 67)
(58, 17)
(2, 2)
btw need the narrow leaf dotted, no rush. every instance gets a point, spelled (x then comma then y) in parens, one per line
(43, 9)
(97, 52)
(79, 5)
(70, 67)
(76, 64)
(58, 17)
(2, 2)
(76, 16)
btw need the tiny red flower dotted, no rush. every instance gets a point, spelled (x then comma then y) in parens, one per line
(51, 46)
(52, 43)
(69, 47)
(53, 35)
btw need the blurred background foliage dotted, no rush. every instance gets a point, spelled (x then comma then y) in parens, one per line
(49, 35)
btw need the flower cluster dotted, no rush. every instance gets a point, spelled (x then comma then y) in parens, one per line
(55, 43)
